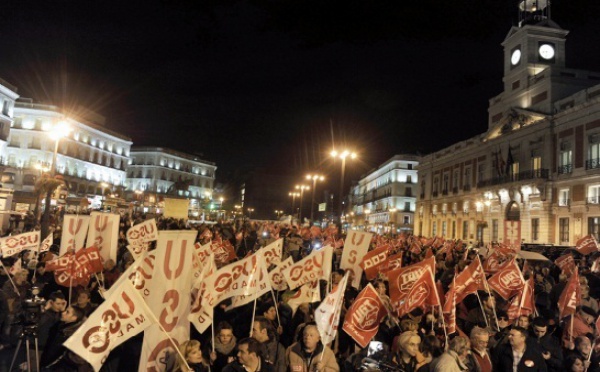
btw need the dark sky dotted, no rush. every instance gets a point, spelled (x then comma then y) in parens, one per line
(273, 83)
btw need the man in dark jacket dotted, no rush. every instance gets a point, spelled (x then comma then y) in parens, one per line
(526, 356)
(249, 358)
(56, 356)
(55, 305)
(549, 345)
(272, 351)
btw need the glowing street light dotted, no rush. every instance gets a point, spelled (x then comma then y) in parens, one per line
(294, 195)
(250, 210)
(301, 188)
(342, 155)
(314, 178)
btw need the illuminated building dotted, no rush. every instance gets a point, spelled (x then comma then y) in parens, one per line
(385, 199)
(532, 177)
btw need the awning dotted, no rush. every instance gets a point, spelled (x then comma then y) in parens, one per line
(533, 256)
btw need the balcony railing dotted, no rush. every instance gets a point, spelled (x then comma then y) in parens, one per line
(455, 190)
(565, 169)
(592, 163)
(445, 192)
(564, 202)
(521, 176)
(434, 194)
(467, 188)
(593, 199)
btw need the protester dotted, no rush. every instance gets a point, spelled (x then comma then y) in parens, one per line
(453, 360)
(249, 358)
(309, 353)
(53, 310)
(224, 347)
(84, 302)
(479, 359)
(581, 325)
(549, 345)
(574, 363)
(519, 355)
(273, 352)
(408, 348)
(193, 357)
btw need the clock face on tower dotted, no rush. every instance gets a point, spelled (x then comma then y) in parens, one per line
(546, 51)
(515, 57)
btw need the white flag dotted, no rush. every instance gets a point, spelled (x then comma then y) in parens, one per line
(142, 233)
(121, 316)
(262, 286)
(139, 273)
(315, 266)
(309, 292)
(272, 252)
(169, 298)
(14, 244)
(278, 282)
(327, 315)
(47, 243)
(104, 234)
(355, 247)
(201, 317)
(74, 230)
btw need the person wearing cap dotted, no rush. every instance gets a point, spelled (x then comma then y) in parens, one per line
(583, 319)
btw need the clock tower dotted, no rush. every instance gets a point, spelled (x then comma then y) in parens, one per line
(533, 52)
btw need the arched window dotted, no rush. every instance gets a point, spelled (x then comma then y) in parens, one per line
(513, 213)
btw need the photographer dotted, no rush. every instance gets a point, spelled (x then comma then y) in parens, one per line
(53, 309)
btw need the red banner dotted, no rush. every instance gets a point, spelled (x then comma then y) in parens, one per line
(76, 269)
(422, 293)
(364, 316)
(570, 297)
(587, 245)
(566, 263)
(469, 280)
(402, 280)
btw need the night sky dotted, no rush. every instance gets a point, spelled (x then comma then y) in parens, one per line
(273, 84)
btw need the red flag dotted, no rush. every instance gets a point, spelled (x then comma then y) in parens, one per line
(373, 260)
(224, 251)
(570, 297)
(422, 293)
(523, 303)
(364, 316)
(393, 262)
(449, 310)
(76, 269)
(402, 279)
(469, 280)
(566, 263)
(508, 281)
(587, 245)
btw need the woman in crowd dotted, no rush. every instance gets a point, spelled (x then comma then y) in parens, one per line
(225, 347)
(192, 353)
(408, 347)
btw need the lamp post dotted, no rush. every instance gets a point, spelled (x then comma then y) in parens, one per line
(342, 155)
(294, 195)
(60, 130)
(314, 178)
(250, 210)
(301, 188)
(278, 213)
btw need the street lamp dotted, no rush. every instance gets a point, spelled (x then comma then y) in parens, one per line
(250, 210)
(301, 188)
(314, 178)
(278, 213)
(58, 131)
(342, 155)
(294, 195)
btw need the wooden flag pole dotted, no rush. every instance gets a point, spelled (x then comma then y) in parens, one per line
(276, 309)
(487, 324)
(212, 328)
(253, 315)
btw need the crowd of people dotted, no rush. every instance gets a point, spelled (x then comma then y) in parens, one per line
(271, 335)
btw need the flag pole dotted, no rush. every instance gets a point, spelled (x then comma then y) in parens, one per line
(9, 278)
(444, 326)
(571, 330)
(253, 315)
(335, 311)
(212, 331)
(487, 324)
(487, 289)
(276, 309)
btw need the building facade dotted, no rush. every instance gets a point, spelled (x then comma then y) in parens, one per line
(533, 176)
(155, 172)
(385, 199)
(92, 159)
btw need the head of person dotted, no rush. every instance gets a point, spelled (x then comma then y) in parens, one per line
(20, 276)
(523, 321)
(109, 264)
(409, 343)
(460, 345)
(83, 298)
(191, 352)
(381, 287)
(517, 337)
(57, 302)
(583, 345)
(261, 329)
(574, 363)
(248, 352)
(268, 311)
(540, 327)
(488, 300)
(310, 337)
(503, 320)
(337, 275)
(225, 333)
(479, 338)
(72, 315)
(587, 313)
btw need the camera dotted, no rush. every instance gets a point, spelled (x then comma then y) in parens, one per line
(32, 307)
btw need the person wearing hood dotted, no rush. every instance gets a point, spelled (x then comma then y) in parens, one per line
(225, 348)
(309, 354)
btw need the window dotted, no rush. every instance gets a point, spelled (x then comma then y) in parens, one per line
(407, 206)
(455, 180)
(593, 194)
(434, 228)
(480, 172)
(453, 229)
(565, 158)
(409, 179)
(563, 197)
(593, 152)
(407, 220)
(494, 230)
(465, 233)
(563, 229)
(535, 229)
(467, 178)
(443, 228)
(410, 166)
(446, 183)
(594, 227)
(407, 192)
